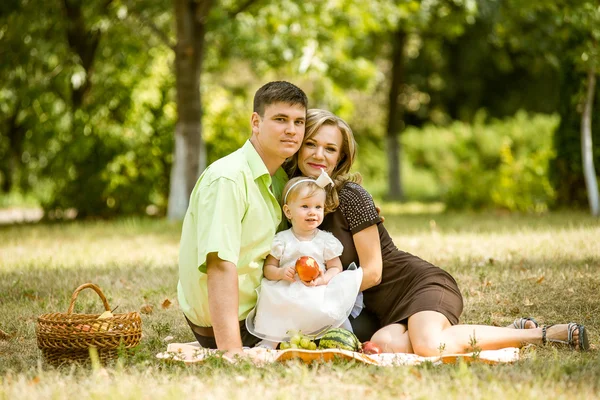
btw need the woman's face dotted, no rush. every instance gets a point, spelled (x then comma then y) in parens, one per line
(321, 151)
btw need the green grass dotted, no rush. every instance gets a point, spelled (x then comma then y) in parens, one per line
(507, 265)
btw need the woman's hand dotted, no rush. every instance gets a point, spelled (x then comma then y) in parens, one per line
(378, 209)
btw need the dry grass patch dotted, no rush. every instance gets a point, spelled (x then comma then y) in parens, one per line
(507, 266)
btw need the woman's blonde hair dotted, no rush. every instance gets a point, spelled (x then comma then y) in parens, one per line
(315, 119)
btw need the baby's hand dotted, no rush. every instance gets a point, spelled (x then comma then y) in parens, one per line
(288, 273)
(318, 281)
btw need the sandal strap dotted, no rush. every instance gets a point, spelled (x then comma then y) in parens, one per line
(519, 323)
(571, 328)
(544, 340)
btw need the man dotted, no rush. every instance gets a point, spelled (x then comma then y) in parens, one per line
(231, 220)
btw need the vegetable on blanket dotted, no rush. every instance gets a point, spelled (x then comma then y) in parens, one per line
(336, 338)
(340, 338)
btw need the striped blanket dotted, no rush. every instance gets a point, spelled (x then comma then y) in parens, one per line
(192, 352)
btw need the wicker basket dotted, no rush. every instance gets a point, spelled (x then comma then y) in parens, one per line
(66, 338)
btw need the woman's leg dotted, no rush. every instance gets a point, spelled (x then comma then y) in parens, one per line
(364, 325)
(431, 334)
(393, 339)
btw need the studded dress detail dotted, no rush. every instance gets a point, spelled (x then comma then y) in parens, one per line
(408, 284)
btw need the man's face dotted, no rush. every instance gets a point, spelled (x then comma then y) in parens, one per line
(280, 131)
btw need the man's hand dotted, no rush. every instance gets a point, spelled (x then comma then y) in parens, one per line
(287, 274)
(234, 355)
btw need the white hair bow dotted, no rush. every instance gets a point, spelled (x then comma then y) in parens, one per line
(323, 180)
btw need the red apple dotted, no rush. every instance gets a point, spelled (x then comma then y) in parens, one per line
(371, 348)
(307, 268)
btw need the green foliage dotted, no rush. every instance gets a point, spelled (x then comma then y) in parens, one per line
(112, 153)
(565, 35)
(31, 99)
(501, 164)
(93, 137)
(226, 123)
(115, 155)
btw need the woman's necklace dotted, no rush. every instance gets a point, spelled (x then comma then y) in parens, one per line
(307, 238)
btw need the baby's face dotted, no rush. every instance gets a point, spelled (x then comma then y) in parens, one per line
(306, 210)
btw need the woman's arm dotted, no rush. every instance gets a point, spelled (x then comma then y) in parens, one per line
(368, 248)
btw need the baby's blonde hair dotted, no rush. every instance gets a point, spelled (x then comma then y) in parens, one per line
(293, 188)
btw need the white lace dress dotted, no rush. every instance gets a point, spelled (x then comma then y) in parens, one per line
(284, 305)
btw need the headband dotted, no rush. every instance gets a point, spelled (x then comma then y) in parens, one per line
(322, 181)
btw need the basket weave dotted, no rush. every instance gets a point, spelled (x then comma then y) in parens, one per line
(66, 338)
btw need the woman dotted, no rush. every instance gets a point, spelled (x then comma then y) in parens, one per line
(417, 304)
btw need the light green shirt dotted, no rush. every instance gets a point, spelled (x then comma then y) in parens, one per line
(233, 212)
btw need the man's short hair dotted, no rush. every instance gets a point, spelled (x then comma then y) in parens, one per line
(278, 92)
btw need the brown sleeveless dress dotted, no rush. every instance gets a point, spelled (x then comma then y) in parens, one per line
(408, 284)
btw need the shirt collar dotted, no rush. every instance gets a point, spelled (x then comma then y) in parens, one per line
(256, 164)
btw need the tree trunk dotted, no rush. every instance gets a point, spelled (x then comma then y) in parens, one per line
(395, 114)
(190, 152)
(83, 42)
(566, 168)
(589, 172)
(13, 164)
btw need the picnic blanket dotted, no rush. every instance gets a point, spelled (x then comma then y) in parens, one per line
(192, 352)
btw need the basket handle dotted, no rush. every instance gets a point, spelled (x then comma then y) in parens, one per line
(85, 286)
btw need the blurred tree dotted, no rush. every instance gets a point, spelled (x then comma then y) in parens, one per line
(189, 160)
(202, 26)
(427, 20)
(566, 34)
(267, 37)
(94, 128)
(398, 29)
(30, 62)
(70, 86)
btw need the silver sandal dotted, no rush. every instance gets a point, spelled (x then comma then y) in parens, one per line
(520, 322)
(581, 344)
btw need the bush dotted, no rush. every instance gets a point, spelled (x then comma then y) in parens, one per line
(500, 164)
